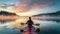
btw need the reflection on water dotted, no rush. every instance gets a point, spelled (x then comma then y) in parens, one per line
(49, 27)
(46, 27)
(5, 21)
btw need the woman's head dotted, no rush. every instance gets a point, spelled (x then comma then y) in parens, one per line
(29, 18)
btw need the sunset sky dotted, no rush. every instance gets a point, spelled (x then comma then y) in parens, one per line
(30, 7)
(22, 9)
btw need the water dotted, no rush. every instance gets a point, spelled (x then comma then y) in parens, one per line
(49, 26)
(46, 27)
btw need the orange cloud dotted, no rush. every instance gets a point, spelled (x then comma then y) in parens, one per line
(27, 5)
(24, 6)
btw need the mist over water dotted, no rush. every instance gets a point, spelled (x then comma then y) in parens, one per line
(46, 27)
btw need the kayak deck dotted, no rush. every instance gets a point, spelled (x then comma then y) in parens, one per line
(29, 30)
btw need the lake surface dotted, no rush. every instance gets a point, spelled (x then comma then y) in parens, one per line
(49, 27)
(46, 27)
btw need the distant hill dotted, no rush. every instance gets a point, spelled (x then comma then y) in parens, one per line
(7, 16)
(50, 14)
(6, 13)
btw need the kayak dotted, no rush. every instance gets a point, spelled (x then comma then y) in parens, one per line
(29, 30)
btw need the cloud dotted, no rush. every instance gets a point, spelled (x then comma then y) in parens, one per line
(28, 5)
(7, 7)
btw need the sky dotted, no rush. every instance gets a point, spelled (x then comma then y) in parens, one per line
(30, 7)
